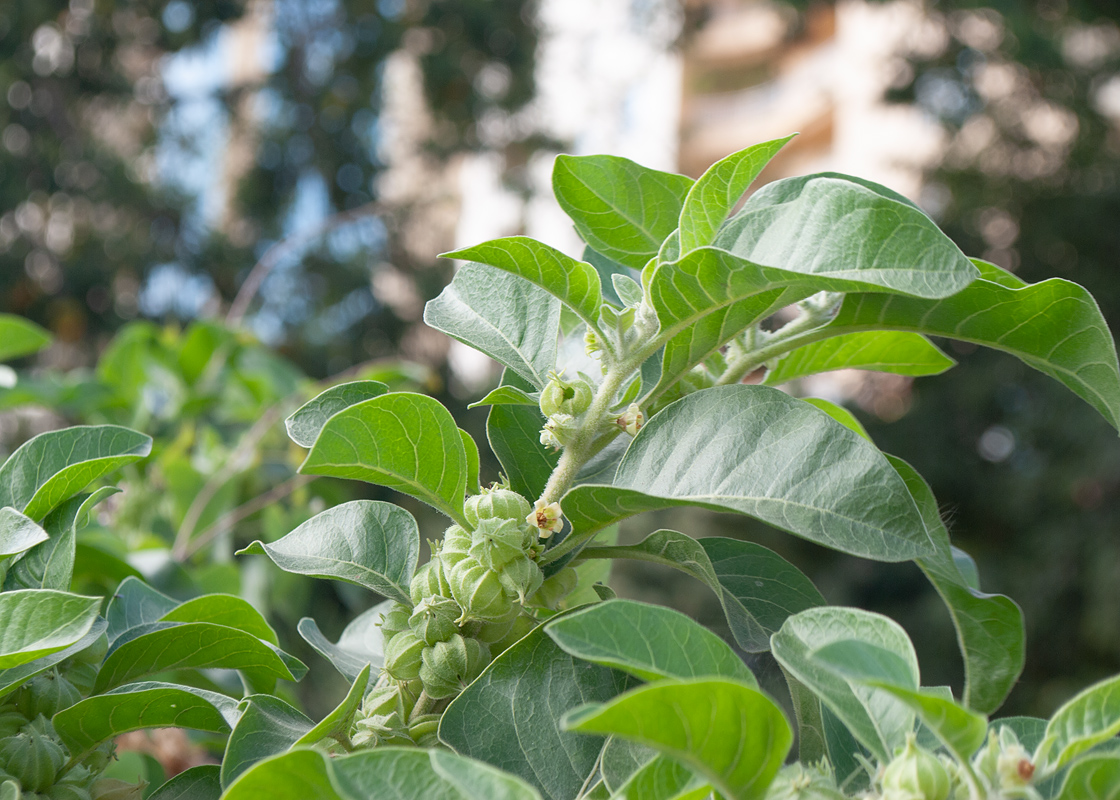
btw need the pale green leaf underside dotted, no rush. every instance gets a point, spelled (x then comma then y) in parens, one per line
(1090, 718)
(503, 315)
(133, 604)
(621, 209)
(408, 442)
(898, 352)
(304, 425)
(152, 704)
(19, 337)
(508, 396)
(295, 775)
(662, 778)
(38, 622)
(650, 642)
(267, 726)
(365, 542)
(360, 644)
(756, 451)
(18, 533)
(728, 731)
(11, 679)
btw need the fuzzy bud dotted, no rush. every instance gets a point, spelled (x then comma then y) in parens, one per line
(479, 592)
(496, 503)
(548, 519)
(33, 759)
(1015, 767)
(448, 667)
(804, 782)
(429, 580)
(394, 621)
(402, 656)
(558, 428)
(424, 730)
(632, 420)
(915, 772)
(497, 542)
(591, 343)
(433, 619)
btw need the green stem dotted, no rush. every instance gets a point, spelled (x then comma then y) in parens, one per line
(424, 705)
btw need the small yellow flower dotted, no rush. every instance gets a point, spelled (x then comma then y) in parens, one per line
(632, 420)
(548, 518)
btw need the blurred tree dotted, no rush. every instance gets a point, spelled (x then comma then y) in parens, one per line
(152, 150)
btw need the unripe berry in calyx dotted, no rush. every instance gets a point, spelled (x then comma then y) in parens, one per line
(454, 548)
(521, 577)
(33, 759)
(497, 542)
(916, 773)
(448, 667)
(565, 397)
(46, 694)
(394, 621)
(495, 503)
(402, 656)
(433, 619)
(429, 580)
(479, 592)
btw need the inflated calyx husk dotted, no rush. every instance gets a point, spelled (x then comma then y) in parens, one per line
(447, 667)
(32, 759)
(83, 675)
(11, 721)
(456, 546)
(430, 579)
(382, 718)
(565, 397)
(497, 542)
(804, 782)
(100, 757)
(915, 773)
(394, 621)
(495, 503)
(521, 577)
(479, 592)
(424, 730)
(112, 789)
(70, 790)
(433, 619)
(46, 694)
(402, 656)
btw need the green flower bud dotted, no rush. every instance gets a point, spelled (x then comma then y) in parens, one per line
(455, 547)
(521, 577)
(47, 694)
(448, 667)
(429, 580)
(433, 620)
(916, 772)
(402, 656)
(11, 722)
(424, 731)
(555, 589)
(495, 504)
(32, 759)
(394, 621)
(1014, 766)
(804, 782)
(381, 719)
(521, 627)
(565, 397)
(559, 428)
(497, 542)
(479, 592)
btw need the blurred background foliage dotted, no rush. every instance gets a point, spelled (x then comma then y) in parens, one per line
(110, 118)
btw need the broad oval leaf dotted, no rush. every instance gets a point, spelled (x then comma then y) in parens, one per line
(151, 704)
(295, 775)
(361, 642)
(757, 451)
(1089, 718)
(621, 209)
(364, 542)
(508, 396)
(574, 283)
(514, 433)
(519, 699)
(503, 315)
(408, 442)
(716, 192)
(876, 719)
(20, 337)
(161, 646)
(304, 425)
(648, 641)
(223, 609)
(1092, 778)
(396, 773)
(898, 352)
(661, 779)
(728, 731)
(56, 465)
(135, 603)
(336, 724)
(267, 726)
(38, 622)
(196, 783)
(11, 679)
(18, 533)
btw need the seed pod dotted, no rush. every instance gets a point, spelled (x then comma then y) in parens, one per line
(479, 592)
(916, 772)
(565, 397)
(521, 627)
(448, 667)
(495, 504)
(521, 577)
(402, 656)
(428, 581)
(47, 694)
(433, 620)
(394, 621)
(11, 722)
(454, 548)
(497, 542)
(32, 759)
(555, 589)
(382, 718)
(424, 731)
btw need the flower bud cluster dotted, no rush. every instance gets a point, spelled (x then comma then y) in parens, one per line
(563, 403)
(916, 774)
(1006, 765)
(466, 607)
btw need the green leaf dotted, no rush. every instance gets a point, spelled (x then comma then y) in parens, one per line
(364, 542)
(876, 719)
(1054, 326)
(621, 209)
(660, 779)
(574, 283)
(470, 450)
(514, 433)
(305, 424)
(18, 533)
(134, 603)
(831, 227)
(628, 290)
(408, 442)
(1092, 778)
(56, 465)
(880, 351)
(296, 775)
(990, 627)
(395, 773)
(504, 316)
(959, 729)
(841, 415)
(38, 622)
(756, 451)
(267, 726)
(223, 609)
(96, 719)
(360, 644)
(647, 641)
(729, 732)
(196, 783)
(716, 192)
(336, 725)
(19, 337)
(607, 269)
(508, 396)
(519, 699)
(620, 759)
(161, 646)
(1089, 718)
(11, 679)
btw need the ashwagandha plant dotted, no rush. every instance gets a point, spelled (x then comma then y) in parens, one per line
(504, 667)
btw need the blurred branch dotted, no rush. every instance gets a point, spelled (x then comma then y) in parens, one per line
(263, 268)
